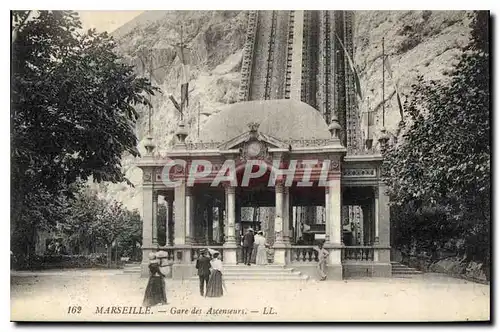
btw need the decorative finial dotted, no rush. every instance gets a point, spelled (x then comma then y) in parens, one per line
(181, 133)
(335, 127)
(383, 139)
(149, 145)
(254, 126)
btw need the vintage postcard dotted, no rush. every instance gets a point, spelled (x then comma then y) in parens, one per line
(265, 166)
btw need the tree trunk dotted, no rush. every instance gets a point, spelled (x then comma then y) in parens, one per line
(109, 254)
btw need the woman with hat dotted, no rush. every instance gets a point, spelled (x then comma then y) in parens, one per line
(155, 290)
(215, 283)
(260, 241)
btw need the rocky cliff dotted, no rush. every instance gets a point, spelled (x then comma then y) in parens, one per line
(418, 43)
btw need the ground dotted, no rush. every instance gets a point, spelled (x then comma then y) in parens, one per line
(48, 295)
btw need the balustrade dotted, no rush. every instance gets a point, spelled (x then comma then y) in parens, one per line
(303, 254)
(358, 253)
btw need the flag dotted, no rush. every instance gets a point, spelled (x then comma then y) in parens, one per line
(398, 95)
(353, 68)
(183, 54)
(370, 118)
(184, 95)
(176, 104)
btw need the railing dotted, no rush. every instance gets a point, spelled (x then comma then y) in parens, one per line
(358, 253)
(185, 253)
(306, 254)
(303, 254)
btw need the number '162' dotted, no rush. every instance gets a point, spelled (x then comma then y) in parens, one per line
(74, 310)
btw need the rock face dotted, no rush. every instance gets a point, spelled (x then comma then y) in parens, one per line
(418, 43)
(426, 43)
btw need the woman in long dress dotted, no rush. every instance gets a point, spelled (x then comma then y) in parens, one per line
(260, 241)
(214, 287)
(155, 290)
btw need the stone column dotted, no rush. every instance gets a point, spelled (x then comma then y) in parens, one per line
(167, 222)
(286, 215)
(180, 214)
(222, 229)
(155, 219)
(384, 224)
(376, 205)
(210, 224)
(334, 266)
(147, 227)
(190, 210)
(278, 217)
(279, 245)
(327, 215)
(170, 221)
(335, 214)
(230, 243)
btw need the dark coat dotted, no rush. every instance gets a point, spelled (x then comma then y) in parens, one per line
(203, 266)
(248, 240)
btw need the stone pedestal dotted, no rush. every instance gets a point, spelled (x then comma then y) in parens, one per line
(145, 262)
(230, 253)
(147, 227)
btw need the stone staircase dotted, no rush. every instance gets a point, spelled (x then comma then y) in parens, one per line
(402, 271)
(241, 272)
(254, 272)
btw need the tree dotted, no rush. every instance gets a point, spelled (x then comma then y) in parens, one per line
(72, 114)
(443, 162)
(93, 219)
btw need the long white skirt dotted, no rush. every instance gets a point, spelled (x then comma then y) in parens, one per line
(261, 258)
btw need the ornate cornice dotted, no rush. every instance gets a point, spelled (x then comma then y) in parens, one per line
(359, 172)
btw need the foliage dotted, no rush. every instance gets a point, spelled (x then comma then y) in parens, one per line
(439, 176)
(72, 115)
(107, 223)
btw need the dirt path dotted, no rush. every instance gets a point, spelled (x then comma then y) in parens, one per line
(429, 297)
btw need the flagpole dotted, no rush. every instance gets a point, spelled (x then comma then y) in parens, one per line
(150, 76)
(368, 119)
(182, 104)
(383, 83)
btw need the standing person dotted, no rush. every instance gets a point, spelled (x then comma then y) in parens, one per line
(203, 266)
(322, 257)
(248, 241)
(260, 241)
(155, 290)
(214, 287)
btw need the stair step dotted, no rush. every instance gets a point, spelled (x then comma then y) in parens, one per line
(402, 271)
(260, 274)
(284, 277)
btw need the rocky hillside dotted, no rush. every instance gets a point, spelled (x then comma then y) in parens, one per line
(418, 42)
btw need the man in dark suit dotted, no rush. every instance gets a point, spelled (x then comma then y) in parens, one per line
(203, 266)
(248, 241)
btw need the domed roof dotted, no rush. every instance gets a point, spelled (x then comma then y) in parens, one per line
(284, 119)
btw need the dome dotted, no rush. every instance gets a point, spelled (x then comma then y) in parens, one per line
(283, 119)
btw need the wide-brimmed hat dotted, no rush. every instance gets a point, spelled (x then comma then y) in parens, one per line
(161, 254)
(213, 252)
(250, 229)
